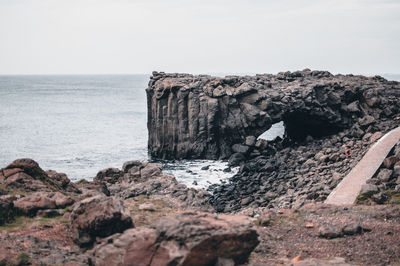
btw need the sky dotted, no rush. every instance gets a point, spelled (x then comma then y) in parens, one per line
(199, 36)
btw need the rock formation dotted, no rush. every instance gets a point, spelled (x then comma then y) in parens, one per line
(205, 117)
(187, 239)
(325, 117)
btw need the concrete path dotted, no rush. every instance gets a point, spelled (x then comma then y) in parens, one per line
(349, 188)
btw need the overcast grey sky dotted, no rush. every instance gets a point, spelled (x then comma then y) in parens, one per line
(199, 36)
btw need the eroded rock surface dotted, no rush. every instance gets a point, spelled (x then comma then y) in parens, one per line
(189, 239)
(98, 216)
(330, 122)
(208, 117)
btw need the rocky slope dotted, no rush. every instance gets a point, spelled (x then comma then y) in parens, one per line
(330, 122)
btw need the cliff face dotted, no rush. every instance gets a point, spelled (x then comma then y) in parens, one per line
(204, 117)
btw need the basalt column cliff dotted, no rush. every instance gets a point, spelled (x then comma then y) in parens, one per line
(210, 117)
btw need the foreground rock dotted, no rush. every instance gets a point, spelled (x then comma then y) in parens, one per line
(187, 239)
(98, 216)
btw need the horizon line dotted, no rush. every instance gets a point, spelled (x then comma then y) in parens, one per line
(194, 73)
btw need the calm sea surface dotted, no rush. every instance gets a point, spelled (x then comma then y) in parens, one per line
(82, 124)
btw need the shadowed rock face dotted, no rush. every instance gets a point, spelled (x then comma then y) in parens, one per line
(203, 116)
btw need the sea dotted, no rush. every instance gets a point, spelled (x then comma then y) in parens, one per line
(81, 124)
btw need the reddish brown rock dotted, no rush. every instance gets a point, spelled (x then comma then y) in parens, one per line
(31, 171)
(98, 216)
(63, 181)
(192, 238)
(33, 202)
(90, 189)
(109, 175)
(21, 181)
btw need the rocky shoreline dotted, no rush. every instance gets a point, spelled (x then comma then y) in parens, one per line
(330, 122)
(269, 213)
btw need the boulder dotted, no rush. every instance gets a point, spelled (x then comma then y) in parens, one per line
(128, 165)
(98, 216)
(109, 175)
(250, 140)
(366, 121)
(329, 231)
(192, 238)
(33, 202)
(236, 159)
(384, 175)
(92, 188)
(239, 148)
(389, 162)
(369, 189)
(150, 170)
(63, 181)
(31, 171)
(22, 182)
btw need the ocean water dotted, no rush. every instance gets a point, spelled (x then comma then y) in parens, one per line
(82, 124)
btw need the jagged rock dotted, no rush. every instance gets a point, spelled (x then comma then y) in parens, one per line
(63, 181)
(188, 239)
(366, 121)
(329, 231)
(109, 175)
(369, 189)
(250, 140)
(238, 148)
(150, 170)
(389, 162)
(235, 159)
(21, 182)
(33, 202)
(25, 175)
(128, 165)
(98, 216)
(384, 175)
(90, 189)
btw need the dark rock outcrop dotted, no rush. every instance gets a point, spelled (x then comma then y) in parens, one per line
(188, 239)
(208, 117)
(7, 210)
(330, 121)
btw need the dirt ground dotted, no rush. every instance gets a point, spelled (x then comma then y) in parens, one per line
(361, 235)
